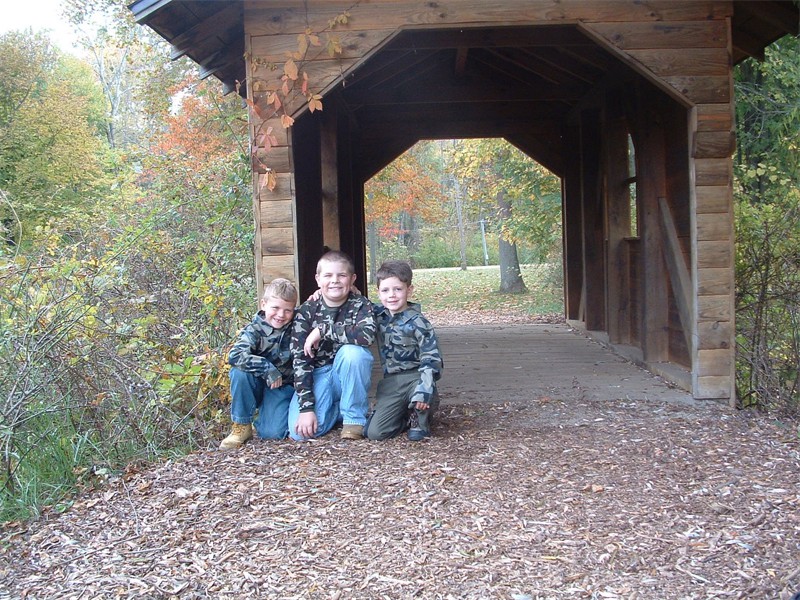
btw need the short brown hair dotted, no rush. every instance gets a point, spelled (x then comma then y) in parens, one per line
(281, 288)
(337, 256)
(394, 268)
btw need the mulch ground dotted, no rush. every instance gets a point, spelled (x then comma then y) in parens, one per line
(545, 499)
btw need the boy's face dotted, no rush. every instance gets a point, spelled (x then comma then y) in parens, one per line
(277, 311)
(394, 294)
(334, 280)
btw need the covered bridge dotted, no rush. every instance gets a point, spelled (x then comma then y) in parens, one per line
(630, 103)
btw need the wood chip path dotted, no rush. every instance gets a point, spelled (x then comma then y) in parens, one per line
(584, 480)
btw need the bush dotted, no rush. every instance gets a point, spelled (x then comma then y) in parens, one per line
(768, 306)
(436, 252)
(114, 346)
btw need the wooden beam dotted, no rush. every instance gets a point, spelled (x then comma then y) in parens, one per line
(304, 140)
(593, 218)
(678, 272)
(548, 152)
(571, 226)
(479, 86)
(649, 140)
(616, 192)
(777, 15)
(488, 37)
(225, 25)
(461, 62)
(374, 157)
(331, 234)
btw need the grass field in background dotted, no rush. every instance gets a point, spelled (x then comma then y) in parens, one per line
(476, 289)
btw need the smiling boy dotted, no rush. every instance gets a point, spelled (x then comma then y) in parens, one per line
(412, 363)
(331, 358)
(261, 369)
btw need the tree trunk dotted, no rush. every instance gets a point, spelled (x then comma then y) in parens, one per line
(510, 274)
(460, 216)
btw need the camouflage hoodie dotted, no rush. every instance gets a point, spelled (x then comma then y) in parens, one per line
(263, 351)
(350, 323)
(407, 342)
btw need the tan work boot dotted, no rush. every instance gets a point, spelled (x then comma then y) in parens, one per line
(352, 432)
(238, 436)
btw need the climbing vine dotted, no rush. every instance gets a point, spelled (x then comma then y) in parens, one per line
(289, 87)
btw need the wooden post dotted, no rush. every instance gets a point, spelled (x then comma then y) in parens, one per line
(331, 236)
(651, 177)
(593, 220)
(571, 224)
(618, 226)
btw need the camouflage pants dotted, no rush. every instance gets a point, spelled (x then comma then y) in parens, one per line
(391, 407)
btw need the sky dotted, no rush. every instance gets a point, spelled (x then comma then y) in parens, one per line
(38, 14)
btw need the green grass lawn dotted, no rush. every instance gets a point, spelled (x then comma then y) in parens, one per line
(476, 289)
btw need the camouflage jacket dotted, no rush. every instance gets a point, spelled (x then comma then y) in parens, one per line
(406, 342)
(350, 323)
(263, 351)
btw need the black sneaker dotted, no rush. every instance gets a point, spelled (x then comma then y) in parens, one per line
(415, 432)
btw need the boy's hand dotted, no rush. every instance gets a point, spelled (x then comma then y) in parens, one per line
(421, 405)
(306, 424)
(276, 384)
(312, 342)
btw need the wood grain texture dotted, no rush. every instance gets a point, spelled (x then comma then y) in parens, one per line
(277, 241)
(714, 198)
(278, 266)
(276, 213)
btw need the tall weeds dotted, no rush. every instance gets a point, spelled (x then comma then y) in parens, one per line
(113, 345)
(768, 305)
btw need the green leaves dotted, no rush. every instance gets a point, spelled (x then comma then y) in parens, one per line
(767, 169)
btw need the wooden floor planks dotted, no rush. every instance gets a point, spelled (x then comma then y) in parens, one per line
(527, 362)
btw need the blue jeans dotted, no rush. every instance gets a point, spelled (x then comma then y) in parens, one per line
(340, 391)
(249, 393)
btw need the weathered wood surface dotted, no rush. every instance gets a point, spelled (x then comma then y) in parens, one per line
(278, 266)
(499, 363)
(678, 271)
(292, 17)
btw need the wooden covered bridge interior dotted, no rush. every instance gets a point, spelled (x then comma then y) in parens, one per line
(629, 103)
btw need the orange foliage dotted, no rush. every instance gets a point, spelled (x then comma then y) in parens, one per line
(191, 135)
(403, 187)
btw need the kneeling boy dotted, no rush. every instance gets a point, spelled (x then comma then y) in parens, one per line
(412, 363)
(331, 336)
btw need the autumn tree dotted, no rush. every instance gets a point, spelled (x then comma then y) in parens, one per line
(525, 196)
(51, 155)
(407, 193)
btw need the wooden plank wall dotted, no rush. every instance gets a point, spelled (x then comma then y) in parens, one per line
(680, 45)
(700, 70)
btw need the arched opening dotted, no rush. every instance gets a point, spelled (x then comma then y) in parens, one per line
(474, 203)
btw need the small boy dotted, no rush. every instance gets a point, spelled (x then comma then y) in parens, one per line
(412, 363)
(331, 336)
(261, 369)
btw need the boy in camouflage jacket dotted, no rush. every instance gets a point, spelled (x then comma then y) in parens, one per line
(261, 369)
(412, 363)
(331, 336)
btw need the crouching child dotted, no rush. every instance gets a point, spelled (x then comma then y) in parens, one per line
(261, 369)
(406, 397)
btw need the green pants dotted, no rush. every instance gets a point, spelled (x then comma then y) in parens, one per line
(391, 407)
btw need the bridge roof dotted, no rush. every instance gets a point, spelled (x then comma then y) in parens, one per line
(212, 33)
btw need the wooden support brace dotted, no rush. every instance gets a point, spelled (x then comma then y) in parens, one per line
(678, 272)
